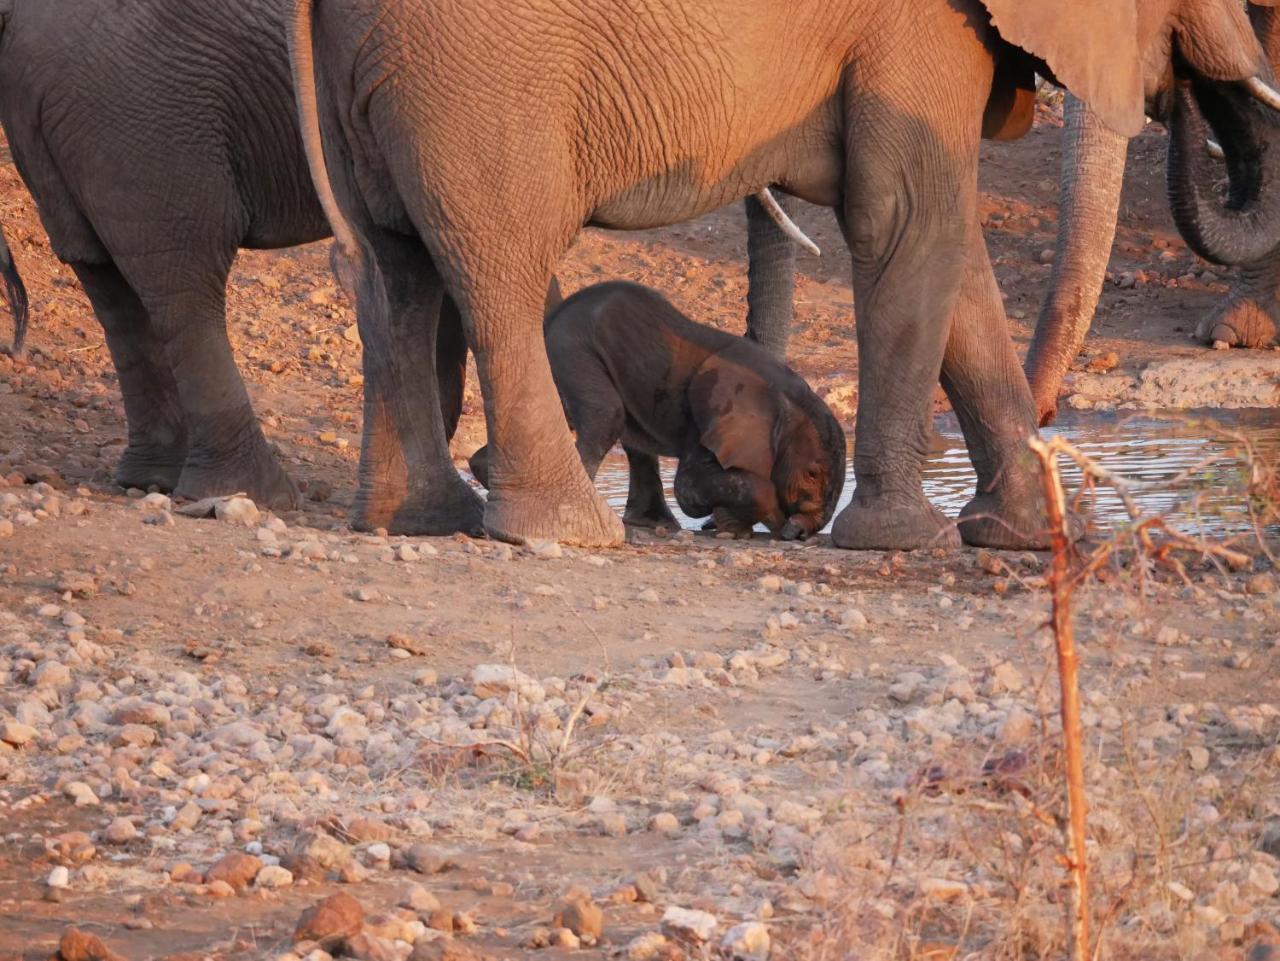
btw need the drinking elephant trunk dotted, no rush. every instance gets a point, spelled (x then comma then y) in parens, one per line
(1243, 225)
(1093, 159)
(15, 293)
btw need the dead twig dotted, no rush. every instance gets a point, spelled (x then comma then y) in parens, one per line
(1068, 676)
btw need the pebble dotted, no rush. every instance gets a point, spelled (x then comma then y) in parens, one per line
(17, 733)
(273, 877)
(77, 945)
(59, 877)
(336, 918)
(237, 510)
(80, 793)
(417, 898)
(748, 941)
(120, 831)
(691, 927)
(236, 869)
(1264, 880)
(582, 916)
(648, 947)
(664, 823)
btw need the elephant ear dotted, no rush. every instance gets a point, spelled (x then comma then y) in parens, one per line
(736, 412)
(1090, 45)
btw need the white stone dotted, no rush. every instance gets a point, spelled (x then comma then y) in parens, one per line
(687, 925)
(748, 941)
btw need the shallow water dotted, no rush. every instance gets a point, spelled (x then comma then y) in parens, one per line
(1146, 450)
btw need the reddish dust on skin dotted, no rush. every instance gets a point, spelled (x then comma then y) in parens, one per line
(747, 705)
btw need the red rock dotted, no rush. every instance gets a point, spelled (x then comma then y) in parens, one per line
(236, 869)
(77, 945)
(331, 921)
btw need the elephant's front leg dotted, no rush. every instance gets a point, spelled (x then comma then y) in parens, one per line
(407, 482)
(911, 195)
(991, 398)
(734, 499)
(1250, 317)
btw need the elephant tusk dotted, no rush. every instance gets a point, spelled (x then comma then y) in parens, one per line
(1262, 92)
(788, 225)
(1215, 150)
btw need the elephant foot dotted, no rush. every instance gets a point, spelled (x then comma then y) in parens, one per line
(452, 507)
(147, 467)
(654, 518)
(1006, 522)
(882, 524)
(258, 476)
(584, 520)
(1241, 322)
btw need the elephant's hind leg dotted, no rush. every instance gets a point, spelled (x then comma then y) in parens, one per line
(157, 446)
(989, 392)
(407, 482)
(226, 451)
(646, 502)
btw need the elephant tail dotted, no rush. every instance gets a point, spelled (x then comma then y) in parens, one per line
(15, 293)
(302, 63)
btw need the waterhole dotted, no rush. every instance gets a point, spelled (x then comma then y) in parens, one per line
(1154, 452)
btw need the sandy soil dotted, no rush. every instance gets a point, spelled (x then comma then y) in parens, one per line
(831, 755)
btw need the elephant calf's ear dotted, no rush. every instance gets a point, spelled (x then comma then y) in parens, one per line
(1091, 46)
(735, 411)
(1011, 108)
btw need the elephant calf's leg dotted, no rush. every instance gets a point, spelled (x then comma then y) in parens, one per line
(646, 502)
(989, 392)
(157, 432)
(407, 482)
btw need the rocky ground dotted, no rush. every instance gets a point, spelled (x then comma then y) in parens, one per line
(254, 736)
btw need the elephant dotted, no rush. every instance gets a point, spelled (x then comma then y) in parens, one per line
(755, 443)
(461, 147)
(158, 141)
(1093, 161)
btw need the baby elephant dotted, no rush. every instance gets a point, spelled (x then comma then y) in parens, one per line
(755, 443)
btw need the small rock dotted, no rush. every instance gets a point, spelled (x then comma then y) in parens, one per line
(1261, 584)
(79, 945)
(691, 927)
(273, 877)
(237, 510)
(426, 859)
(664, 823)
(1264, 879)
(648, 947)
(414, 645)
(120, 831)
(237, 869)
(220, 889)
(564, 938)
(748, 941)
(17, 734)
(59, 877)
(583, 917)
(1198, 758)
(330, 921)
(417, 898)
(81, 793)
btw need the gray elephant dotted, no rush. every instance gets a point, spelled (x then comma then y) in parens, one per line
(755, 444)
(463, 146)
(156, 141)
(1093, 161)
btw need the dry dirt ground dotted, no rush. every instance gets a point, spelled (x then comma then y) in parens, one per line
(682, 748)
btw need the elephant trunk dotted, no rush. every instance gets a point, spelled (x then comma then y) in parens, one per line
(15, 293)
(1093, 158)
(771, 257)
(1244, 225)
